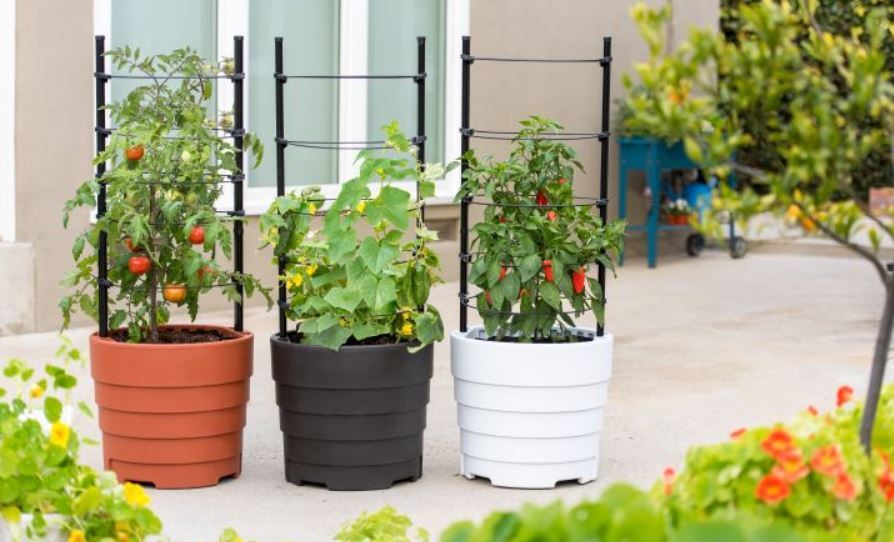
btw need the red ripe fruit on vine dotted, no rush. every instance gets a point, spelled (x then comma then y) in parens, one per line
(197, 235)
(204, 270)
(134, 153)
(552, 216)
(502, 219)
(562, 180)
(541, 198)
(139, 265)
(579, 279)
(502, 272)
(130, 246)
(548, 270)
(490, 300)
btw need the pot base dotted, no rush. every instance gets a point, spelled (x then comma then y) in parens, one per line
(360, 478)
(529, 476)
(186, 476)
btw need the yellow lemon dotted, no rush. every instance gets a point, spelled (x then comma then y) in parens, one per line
(135, 495)
(36, 392)
(59, 434)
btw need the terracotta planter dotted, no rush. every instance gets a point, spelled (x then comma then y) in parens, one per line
(352, 419)
(172, 414)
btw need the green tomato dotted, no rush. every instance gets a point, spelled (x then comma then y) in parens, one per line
(185, 156)
(191, 199)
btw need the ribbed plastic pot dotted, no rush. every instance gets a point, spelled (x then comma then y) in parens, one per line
(352, 419)
(172, 414)
(530, 414)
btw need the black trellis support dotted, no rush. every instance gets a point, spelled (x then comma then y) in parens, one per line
(101, 135)
(467, 132)
(238, 204)
(280, 173)
(281, 78)
(236, 178)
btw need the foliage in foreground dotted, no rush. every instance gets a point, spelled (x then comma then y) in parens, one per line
(39, 470)
(348, 289)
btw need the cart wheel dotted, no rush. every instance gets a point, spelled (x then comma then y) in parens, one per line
(738, 247)
(695, 243)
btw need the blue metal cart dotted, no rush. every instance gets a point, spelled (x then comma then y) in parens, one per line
(654, 156)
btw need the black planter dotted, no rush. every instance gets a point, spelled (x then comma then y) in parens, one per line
(351, 419)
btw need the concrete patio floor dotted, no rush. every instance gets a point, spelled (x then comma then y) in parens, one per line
(703, 346)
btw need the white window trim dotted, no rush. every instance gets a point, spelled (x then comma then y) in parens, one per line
(7, 121)
(233, 20)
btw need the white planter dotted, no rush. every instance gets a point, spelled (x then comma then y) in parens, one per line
(18, 532)
(530, 415)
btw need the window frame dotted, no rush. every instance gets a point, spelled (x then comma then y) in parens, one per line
(7, 121)
(233, 20)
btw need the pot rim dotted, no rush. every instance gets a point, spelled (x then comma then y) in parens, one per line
(237, 337)
(275, 338)
(467, 336)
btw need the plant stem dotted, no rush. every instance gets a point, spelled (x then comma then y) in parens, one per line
(153, 274)
(879, 361)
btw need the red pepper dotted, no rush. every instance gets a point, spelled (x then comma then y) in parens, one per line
(541, 198)
(548, 270)
(551, 216)
(502, 272)
(579, 279)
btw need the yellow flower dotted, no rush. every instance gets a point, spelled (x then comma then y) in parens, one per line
(361, 206)
(36, 392)
(828, 39)
(59, 434)
(311, 209)
(407, 329)
(311, 269)
(295, 281)
(77, 535)
(135, 495)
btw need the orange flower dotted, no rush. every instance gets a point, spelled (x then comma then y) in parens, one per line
(844, 487)
(845, 393)
(669, 476)
(772, 489)
(828, 461)
(735, 435)
(778, 444)
(812, 410)
(791, 467)
(886, 485)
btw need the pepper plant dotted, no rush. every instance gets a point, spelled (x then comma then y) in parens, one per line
(369, 290)
(166, 162)
(825, 102)
(537, 242)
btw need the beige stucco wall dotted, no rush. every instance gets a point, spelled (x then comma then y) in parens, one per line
(54, 93)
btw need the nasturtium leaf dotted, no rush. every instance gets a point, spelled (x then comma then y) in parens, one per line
(52, 409)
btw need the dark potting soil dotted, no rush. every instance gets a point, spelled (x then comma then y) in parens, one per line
(378, 340)
(179, 336)
(547, 340)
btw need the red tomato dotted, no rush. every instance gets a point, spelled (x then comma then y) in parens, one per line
(130, 246)
(552, 216)
(135, 153)
(197, 235)
(562, 180)
(174, 293)
(139, 265)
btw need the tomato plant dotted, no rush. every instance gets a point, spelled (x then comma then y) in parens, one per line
(537, 240)
(369, 289)
(166, 161)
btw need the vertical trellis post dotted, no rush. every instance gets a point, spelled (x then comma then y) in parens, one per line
(239, 175)
(419, 79)
(464, 204)
(606, 64)
(280, 172)
(101, 135)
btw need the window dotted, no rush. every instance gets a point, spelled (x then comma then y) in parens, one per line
(320, 37)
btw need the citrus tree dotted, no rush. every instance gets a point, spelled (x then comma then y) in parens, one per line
(167, 161)
(369, 290)
(824, 101)
(537, 242)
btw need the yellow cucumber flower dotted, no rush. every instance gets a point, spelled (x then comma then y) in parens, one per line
(295, 281)
(407, 329)
(361, 206)
(77, 535)
(311, 269)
